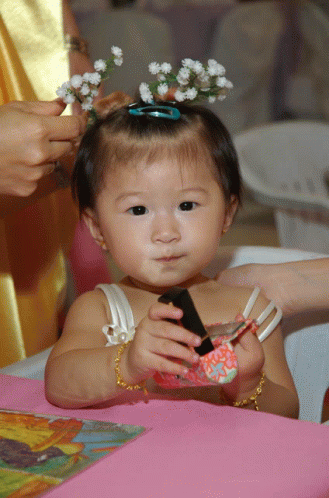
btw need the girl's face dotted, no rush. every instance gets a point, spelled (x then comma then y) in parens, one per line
(161, 222)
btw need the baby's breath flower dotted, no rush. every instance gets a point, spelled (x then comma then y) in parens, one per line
(86, 106)
(211, 99)
(161, 77)
(100, 65)
(191, 93)
(116, 51)
(76, 81)
(86, 77)
(95, 78)
(145, 92)
(154, 68)
(198, 68)
(229, 84)
(94, 92)
(188, 63)
(118, 61)
(69, 98)
(166, 67)
(163, 89)
(61, 91)
(84, 90)
(179, 96)
(183, 76)
(221, 81)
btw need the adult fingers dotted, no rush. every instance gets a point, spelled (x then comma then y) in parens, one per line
(43, 108)
(64, 127)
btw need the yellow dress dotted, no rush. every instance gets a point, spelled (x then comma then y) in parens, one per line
(33, 241)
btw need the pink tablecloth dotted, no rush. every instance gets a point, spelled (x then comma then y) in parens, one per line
(194, 450)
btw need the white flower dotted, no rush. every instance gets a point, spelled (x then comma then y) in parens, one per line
(179, 96)
(162, 89)
(188, 63)
(221, 81)
(100, 65)
(183, 76)
(86, 106)
(86, 77)
(76, 81)
(116, 51)
(61, 92)
(69, 98)
(161, 77)
(215, 69)
(145, 93)
(191, 93)
(154, 68)
(212, 99)
(94, 92)
(84, 90)
(222, 96)
(166, 67)
(118, 61)
(229, 84)
(95, 78)
(198, 68)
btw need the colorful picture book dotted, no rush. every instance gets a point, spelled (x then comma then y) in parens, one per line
(38, 452)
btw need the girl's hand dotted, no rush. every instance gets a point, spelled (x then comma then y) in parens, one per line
(158, 344)
(251, 360)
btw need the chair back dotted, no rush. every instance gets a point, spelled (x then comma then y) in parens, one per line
(306, 346)
(285, 166)
(246, 43)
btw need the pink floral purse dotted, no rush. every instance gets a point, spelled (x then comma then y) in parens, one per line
(218, 362)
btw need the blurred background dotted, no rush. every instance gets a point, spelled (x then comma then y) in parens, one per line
(276, 53)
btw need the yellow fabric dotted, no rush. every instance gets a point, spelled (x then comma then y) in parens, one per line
(32, 241)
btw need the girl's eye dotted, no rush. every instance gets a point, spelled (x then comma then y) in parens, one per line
(137, 210)
(187, 206)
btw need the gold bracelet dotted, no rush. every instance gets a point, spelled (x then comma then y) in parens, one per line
(76, 44)
(253, 398)
(119, 380)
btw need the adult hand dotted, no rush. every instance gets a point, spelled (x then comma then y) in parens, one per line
(33, 136)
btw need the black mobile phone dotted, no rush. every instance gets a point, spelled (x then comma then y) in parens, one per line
(181, 298)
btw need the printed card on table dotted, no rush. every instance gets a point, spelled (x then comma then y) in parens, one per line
(38, 452)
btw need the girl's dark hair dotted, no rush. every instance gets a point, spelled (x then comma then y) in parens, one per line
(122, 140)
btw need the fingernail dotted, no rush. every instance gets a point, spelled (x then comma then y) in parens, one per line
(197, 341)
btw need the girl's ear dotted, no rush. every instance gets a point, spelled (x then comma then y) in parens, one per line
(231, 210)
(90, 219)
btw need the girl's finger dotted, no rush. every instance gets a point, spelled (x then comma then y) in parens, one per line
(161, 311)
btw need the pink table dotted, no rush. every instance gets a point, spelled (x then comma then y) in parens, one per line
(193, 450)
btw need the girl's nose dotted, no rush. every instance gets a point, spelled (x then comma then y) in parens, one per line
(165, 229)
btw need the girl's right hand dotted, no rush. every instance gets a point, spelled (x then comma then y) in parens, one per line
(158, 344)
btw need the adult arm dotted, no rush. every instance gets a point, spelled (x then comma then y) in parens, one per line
(296, 287)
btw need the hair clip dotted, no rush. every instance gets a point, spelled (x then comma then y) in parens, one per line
(157, 111)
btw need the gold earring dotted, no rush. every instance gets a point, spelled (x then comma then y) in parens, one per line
(224, 230)
(103, 245)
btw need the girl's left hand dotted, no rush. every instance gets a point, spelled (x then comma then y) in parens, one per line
(251, 358)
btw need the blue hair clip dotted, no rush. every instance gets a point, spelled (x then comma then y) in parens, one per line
(157, 111)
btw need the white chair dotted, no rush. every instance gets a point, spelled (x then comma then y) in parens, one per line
(306, 347)
(143, 38)
(285, 166)
(246, 43)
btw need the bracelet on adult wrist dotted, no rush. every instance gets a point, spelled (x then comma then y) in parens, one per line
(253, 398)
(119, 380)
(76, 44)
